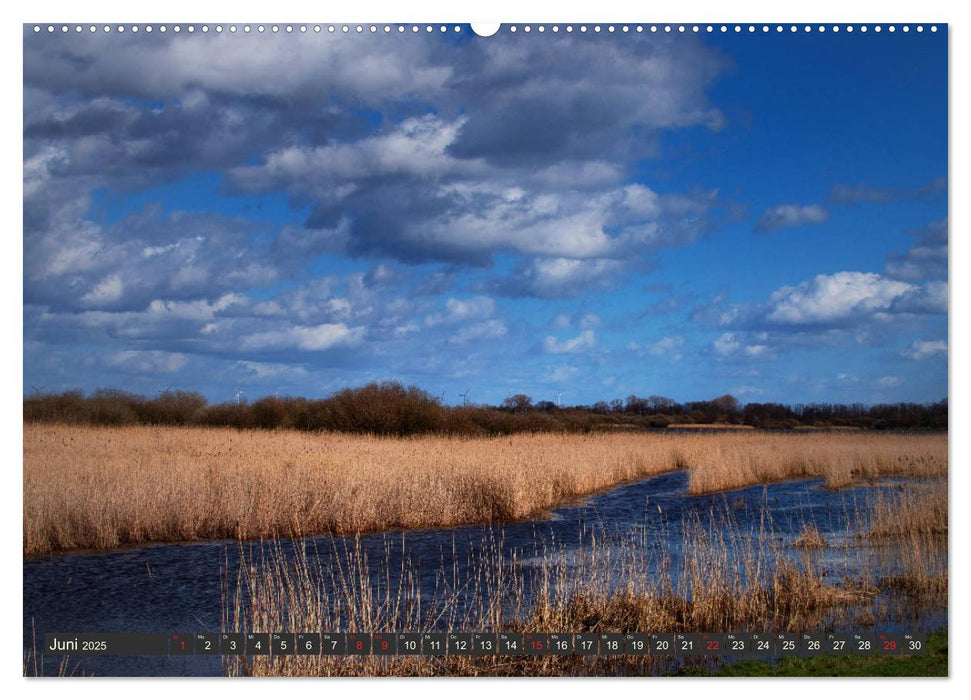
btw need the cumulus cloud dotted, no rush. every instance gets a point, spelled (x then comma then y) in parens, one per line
(838, 297)
(889, 382)
(460, 310)
(273, 370)
(585, 341)
(560, 373)
(415, 147)
(788, 215)
(144, 256)
(925, 349)
(668, 346)
(842, 309)
(148, 361)
(486, 330)
(307, 338)
(926, 258)
(447, 174)
(734, 346)
(561, 278)
(106, 292)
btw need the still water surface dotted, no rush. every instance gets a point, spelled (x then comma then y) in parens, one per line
(178, 588)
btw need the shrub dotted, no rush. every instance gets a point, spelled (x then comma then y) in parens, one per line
(270, 412)
(386, 409)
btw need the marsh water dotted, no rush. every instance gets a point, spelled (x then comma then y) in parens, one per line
(181, 587)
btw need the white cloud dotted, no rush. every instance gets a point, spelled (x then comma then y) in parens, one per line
(405, 329)
(362, 68)
(889, 382)
(734, 346)
(273, 370)
(197, 310)
(308, 338)
(924, 349)
(553, 278)
(786, 215)
(461, 310)
(148, 361)
(560, 373)
(107, 291)
(584, 341)
(669, 347)
(726, 345)
(590, 320)
(416, 147)
(830, 298)
(493, 328)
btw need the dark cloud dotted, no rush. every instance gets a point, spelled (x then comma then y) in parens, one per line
(926, 258)
(419, 150)
(390, 146)
(863, 193)
(146, 256)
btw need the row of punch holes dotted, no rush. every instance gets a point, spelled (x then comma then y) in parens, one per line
(414, 28)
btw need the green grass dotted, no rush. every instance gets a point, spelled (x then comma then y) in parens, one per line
(931, 663)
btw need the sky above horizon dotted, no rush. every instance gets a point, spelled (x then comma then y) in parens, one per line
(597, 215)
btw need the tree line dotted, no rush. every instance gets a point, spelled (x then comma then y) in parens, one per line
(390, 408)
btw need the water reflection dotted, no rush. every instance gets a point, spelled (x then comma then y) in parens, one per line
(181, 588)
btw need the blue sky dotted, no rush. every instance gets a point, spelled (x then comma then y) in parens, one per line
(600, 215)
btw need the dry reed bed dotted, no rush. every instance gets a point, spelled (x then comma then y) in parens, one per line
(724, 462)
(100, 488)
(726, 581)
(911, 509)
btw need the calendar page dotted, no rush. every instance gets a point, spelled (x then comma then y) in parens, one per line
(521, 349)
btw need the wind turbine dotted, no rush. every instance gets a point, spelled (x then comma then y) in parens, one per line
(465, 397)
(559, 395)
(441, 398)
(239, 395)
(37, 389)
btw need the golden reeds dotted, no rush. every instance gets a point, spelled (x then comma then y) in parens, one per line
(726, 580)
(909, 509)
(101, 488)
(809, 538)
(723, 462)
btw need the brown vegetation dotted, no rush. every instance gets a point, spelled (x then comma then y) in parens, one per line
(100, 488)
(389, 408)
(727, 581)
(725, 462)
(809, 538)
(708, 426)
(909, 509)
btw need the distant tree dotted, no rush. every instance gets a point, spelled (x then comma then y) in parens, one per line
(726, 403)
(270, 412)
(518, 403)
(662, 404)
(636, 405)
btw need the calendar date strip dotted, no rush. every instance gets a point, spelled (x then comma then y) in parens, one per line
(276, 644)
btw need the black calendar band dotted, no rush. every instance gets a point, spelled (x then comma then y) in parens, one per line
(678, 644)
